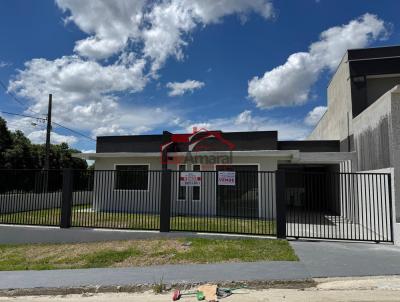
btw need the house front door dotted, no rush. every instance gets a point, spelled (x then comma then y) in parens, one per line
(241, 199)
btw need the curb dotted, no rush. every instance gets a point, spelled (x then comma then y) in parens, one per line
(137, 288)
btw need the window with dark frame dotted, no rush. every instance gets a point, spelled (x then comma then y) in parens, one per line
(196, 190)
(131, 177)
(181, 189)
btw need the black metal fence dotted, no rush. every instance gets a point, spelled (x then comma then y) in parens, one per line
(119, 199)
(30, 197)
(346, 206)
(246, 206)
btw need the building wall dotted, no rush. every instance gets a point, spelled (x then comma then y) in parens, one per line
(377, 137)
(334, 124)
(376, 87)
(375, 132)
(108, 199)
(372, 135)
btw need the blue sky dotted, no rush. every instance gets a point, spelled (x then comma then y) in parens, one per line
(133, 67)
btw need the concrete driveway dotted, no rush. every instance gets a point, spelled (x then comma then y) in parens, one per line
(342, 259)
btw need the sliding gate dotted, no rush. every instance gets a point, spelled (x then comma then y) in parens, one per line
(344, 206)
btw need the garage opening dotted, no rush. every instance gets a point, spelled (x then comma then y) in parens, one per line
(240, 200)
(311, 188)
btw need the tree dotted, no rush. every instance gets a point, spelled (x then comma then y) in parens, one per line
(17, 152)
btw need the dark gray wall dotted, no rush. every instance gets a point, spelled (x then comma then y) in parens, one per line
(129, 143)
(376, 87)
(375, 52)
(311, 145)
(256, 140)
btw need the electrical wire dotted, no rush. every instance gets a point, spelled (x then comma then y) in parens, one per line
(45, 119)
(22, 104)
(15, 98)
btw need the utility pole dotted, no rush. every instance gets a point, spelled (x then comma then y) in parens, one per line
(47, 160)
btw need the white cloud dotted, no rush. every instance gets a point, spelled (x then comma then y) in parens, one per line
(84, 94)
(290, 83)
(180, 88)
(126, 43)
(4, 64)
(315, 115)
(246, 121)
(159, 28)
(35, 130)
(110, 24)
(39, 137)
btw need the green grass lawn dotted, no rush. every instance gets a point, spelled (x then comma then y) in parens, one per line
(142, 253)
(82, 216)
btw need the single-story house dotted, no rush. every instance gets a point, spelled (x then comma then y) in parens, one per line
(253, 156)
(359, 133)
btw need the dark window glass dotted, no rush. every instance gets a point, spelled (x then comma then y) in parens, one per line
(196, 190)
(132, 177)
(182, 189)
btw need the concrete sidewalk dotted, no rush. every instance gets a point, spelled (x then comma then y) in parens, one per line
(317, 259)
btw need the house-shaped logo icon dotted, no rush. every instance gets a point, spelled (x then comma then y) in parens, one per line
(201, 140)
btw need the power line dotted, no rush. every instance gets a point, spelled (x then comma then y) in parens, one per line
(24, 115)
(15, 98)
(44, 119)
(22, 104)
(74, 131)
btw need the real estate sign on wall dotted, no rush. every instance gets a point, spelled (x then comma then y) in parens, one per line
(190, 179)
(226, 178)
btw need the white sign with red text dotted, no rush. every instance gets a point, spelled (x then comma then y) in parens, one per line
(226, 178)
(190, 179)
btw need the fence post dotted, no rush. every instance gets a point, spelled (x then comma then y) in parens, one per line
(391, 212)
(165, 207)
(280, 205)
(66, 203)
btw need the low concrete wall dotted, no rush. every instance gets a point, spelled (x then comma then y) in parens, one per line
(21, 202)
(16, 234)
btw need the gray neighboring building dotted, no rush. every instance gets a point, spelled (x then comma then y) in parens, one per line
(364, 112)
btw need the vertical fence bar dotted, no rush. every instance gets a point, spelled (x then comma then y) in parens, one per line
(389, 179)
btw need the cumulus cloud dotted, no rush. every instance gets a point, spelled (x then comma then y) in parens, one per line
(315, 115)
(289, 84)
(247, 121)
(84, 94)
(39, 137)
(158, 27)
(34, 129)
(127, 43)
(180, 88)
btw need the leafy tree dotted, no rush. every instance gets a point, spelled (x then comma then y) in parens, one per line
(17, 152)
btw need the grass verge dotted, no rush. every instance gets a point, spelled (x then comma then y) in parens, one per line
(82, 216)
(142, 253)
